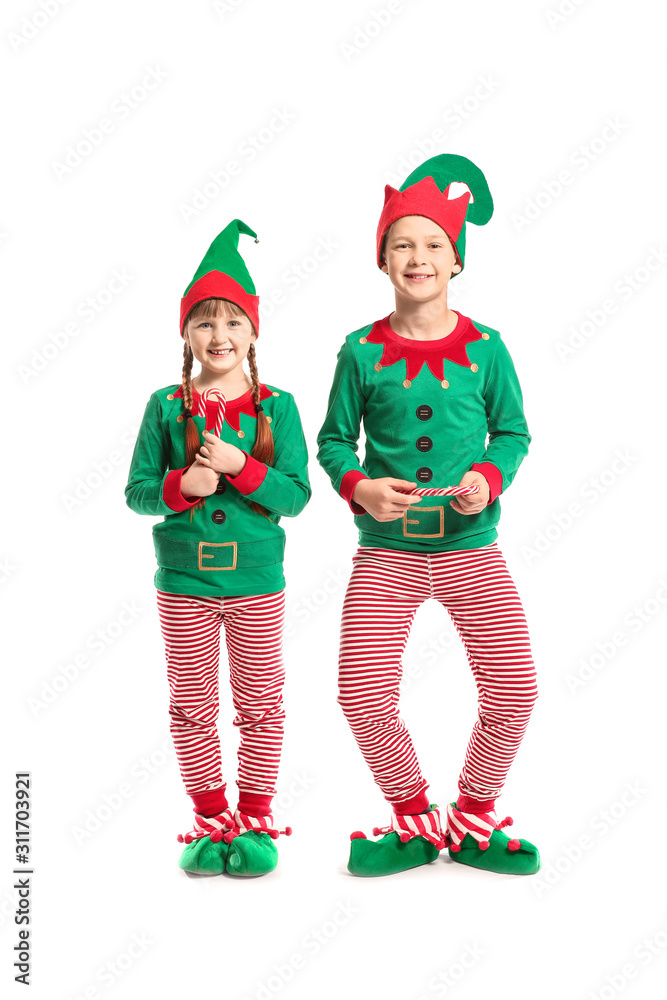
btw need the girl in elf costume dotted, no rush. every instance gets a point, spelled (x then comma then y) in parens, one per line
(430, 384)
(222, 457)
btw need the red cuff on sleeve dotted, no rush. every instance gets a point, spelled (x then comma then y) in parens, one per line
(250, 477)
(171, 491)
(493, 476)
(347, 484)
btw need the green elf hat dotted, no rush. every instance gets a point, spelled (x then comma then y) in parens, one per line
(223, 275)
(426, 192)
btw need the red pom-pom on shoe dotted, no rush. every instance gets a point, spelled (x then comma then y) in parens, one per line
(358, 835)
(508, 821)
(484, 845)
(216, 835)
(179, 838)
(514, 844)
(404, 837)
(288, 831)
(455, 848)
(188, 838)
(376, 831)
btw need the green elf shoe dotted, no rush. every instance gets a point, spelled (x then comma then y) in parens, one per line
(252, 850)
(477, 840)
(408, 842)
(205, 852)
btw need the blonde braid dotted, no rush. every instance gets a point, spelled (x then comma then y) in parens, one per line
(192, 441)
(263, 449)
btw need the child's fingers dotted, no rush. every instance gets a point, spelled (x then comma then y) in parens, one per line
(404, 492)
(403, 483)
(472, 509)
(402, 500)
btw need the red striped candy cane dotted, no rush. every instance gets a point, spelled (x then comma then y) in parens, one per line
(447, 491)
(214, 393)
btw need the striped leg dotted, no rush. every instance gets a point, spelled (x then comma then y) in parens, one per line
(191, 630)
(385, 589)
(478, 592)
(254, 631)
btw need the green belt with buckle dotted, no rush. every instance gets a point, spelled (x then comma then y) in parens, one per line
(424, 522)
(182, 553)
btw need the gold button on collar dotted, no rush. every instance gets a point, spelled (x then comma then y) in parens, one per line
(444, 384)
(362, 340)
(275, 393)
(474, 368)
(407, 383)
(241, 434)
(170, 395)
(377, 366)
(485, 336)
(179, 418)
(268, 419)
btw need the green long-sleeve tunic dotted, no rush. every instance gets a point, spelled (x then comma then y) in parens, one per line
(427, 408)
(227, 548)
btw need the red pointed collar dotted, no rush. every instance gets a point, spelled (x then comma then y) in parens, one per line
(233, 409)
(432, 352)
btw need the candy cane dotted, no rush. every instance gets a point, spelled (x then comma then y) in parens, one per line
(447, 491)
(214, 393)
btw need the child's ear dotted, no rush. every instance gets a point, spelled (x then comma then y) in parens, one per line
(383, 266)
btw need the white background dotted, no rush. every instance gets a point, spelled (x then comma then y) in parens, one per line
(526, 94)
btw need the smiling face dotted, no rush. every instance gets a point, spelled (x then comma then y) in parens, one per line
(419, 258)
(219, 334)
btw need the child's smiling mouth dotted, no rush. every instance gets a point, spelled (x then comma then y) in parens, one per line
(220, 353)
(417, 276)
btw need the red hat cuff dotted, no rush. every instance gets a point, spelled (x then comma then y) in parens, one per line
(423, 198)
(216, 285)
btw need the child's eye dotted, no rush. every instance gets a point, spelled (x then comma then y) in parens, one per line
(233, 322)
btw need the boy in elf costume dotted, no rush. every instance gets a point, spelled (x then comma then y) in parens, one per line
(430, 384)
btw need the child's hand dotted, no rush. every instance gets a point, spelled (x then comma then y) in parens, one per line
(220, 456)
(382, 499)
(198, 481)
(477, 501)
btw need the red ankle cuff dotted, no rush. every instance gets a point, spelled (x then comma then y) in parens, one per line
(410, 807)
(211, 802)
(255, 804)
(469, 805)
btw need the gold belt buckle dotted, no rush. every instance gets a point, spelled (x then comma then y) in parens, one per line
(415, 520)
(207, 555)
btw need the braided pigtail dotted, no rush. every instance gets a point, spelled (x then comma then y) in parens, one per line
(263, 449)
(192, 440)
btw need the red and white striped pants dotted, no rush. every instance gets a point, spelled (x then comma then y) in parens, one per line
(253, 631)
(385, 589)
